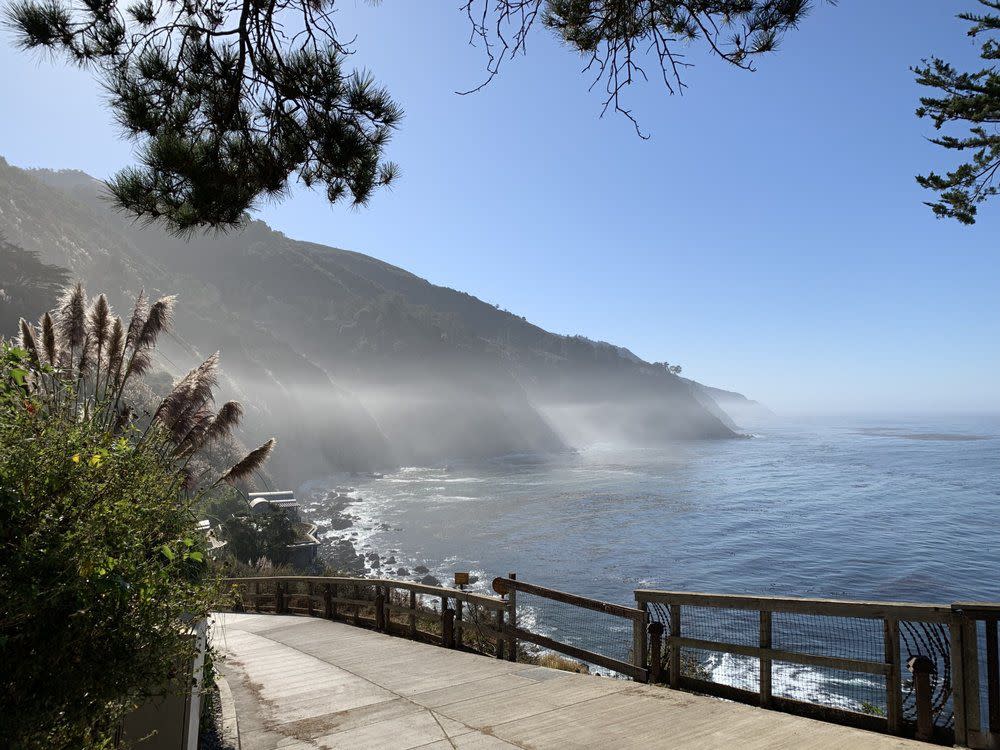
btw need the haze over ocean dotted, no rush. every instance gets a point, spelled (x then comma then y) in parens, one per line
(882, 508)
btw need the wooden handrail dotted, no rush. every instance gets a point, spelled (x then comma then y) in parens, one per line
(632, 670)
(419, 588)
(969, 615)
(666, 640)
(875, 610)
(962, 648)
(777, 654)
(502, 585)
(637, 668)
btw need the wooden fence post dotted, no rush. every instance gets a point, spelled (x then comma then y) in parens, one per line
(675, 649)
(765, 663)
(458, 616)
(512, 619)
(970, 671)
(256, 599)
(499, 634)
(357, 607)
(380, 610)
(639, 625)
(448, 628)
(957, 679)
(309, 593)
(992, 679)
(413, 616)
(922, 668)
(655, 651)
(444, 606)
(328, 602)
(279, 598)
(893, 678)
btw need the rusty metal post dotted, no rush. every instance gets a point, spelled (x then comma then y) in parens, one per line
(655, 651)
(922, 668)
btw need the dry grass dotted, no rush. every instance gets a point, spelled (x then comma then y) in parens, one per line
(555, 661)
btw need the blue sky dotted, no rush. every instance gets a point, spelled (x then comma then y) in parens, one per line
(769, 236)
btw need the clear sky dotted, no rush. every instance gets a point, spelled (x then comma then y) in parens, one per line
(769, 237)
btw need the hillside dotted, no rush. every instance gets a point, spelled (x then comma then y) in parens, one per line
(354, 363)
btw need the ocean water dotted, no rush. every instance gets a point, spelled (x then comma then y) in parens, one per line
(861, 508)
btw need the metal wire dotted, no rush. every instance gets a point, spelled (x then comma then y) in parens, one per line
(932, 640)
(861, 639)
(602, 633)
(856, 638)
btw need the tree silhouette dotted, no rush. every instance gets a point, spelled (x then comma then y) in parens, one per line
(971, 101)
(229, 101)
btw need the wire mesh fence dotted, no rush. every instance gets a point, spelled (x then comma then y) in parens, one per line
(843, 658)
(852, 640)
(931, 641)
(600, 632)
(478, 630)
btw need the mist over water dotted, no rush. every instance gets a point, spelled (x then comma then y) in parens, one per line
(863, 508)
(860, 508)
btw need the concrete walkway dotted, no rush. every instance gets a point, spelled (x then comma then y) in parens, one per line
(301, 682)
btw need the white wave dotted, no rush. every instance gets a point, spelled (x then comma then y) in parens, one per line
(844, 690)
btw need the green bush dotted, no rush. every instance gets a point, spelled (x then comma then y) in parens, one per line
(259, 537)
(102, 571)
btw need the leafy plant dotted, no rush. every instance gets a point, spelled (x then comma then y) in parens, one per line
(266, 536)
(102, 569)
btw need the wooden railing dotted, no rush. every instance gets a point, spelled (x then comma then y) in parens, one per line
(893, 667)
(636, 669)
(967, 678)
(930, 689)
(374, 601)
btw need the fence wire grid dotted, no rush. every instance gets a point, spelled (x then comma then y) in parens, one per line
(856, 638)
(602, 633)
(861, 639)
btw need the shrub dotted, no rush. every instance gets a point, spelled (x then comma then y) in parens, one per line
(264, 536)
(102, 571)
